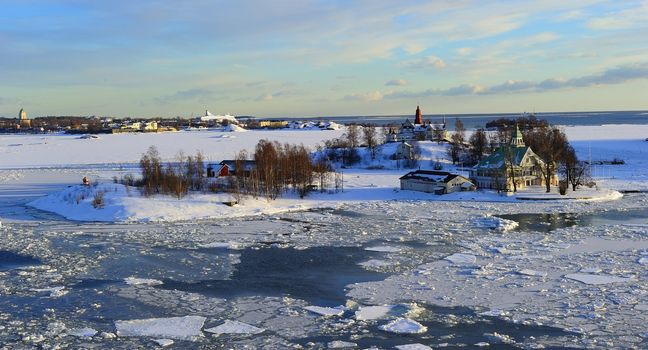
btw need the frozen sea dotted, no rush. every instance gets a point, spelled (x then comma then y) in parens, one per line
(382, 274)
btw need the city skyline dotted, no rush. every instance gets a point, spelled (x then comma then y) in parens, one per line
(318, 58)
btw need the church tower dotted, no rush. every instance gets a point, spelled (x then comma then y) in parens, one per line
(23, 121)
(419, 116)
(516, 138)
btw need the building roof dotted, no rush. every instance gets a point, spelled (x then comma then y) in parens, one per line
(432, 176)
(247, 165)
(498, 159)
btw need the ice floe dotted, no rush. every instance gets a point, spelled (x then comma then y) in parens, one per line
(415, 346)
(378, 312)
(82, 332)
(461, 259)
(186, 327)
(163, 342)
(134, 281)
(529, 272)
(384, 249)
(339, 344)
(403, 326)
(54, 292)
(596, 279)
(495, 223)
(234, 327)
(326, 311)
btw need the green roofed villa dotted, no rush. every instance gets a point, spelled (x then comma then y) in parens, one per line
(512, 162)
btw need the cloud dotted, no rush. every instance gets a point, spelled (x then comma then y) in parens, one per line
(367, 97)
(272, 96)
(266, 97)
(464, 51)
(413, 48)
(425, 63)
(396, 82)
(570, 16)
(617, 75)
(185, 95)
(626, 18)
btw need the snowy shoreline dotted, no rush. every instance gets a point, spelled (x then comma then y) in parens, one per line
(122, 203)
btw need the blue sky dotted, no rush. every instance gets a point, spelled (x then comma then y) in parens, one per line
(316, 58)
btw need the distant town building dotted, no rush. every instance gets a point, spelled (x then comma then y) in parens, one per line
(419, 130)
(510, 162)
(437, 182)
(23, 121)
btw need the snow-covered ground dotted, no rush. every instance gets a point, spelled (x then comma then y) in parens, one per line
(36, 151)
(448, 273)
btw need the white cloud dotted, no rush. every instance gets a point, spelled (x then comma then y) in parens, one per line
(616, 75)
(623, 19)
(413, 48)
(368, 97)
(464, 51)
(396, 82)
(425, 63)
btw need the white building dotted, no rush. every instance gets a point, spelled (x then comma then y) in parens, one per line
(437, 182)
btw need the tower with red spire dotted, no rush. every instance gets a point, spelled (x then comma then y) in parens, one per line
(419, 116)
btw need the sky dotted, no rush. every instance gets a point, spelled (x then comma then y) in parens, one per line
(292, 58)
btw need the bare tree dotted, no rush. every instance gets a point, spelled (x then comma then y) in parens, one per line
(353, 135)
(510, 166)
(457, 145)
(371, 139)
(478, 144)
(550, 144)
(574, 171)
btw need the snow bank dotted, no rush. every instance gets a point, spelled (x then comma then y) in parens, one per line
(123, 203)
(185, 328)
(234, 128)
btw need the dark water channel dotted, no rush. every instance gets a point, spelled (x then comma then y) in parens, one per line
(550, 222)
(10, 260)
(317, 275)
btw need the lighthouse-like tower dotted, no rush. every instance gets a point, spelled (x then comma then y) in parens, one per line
(23, 121)
(419, 116)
